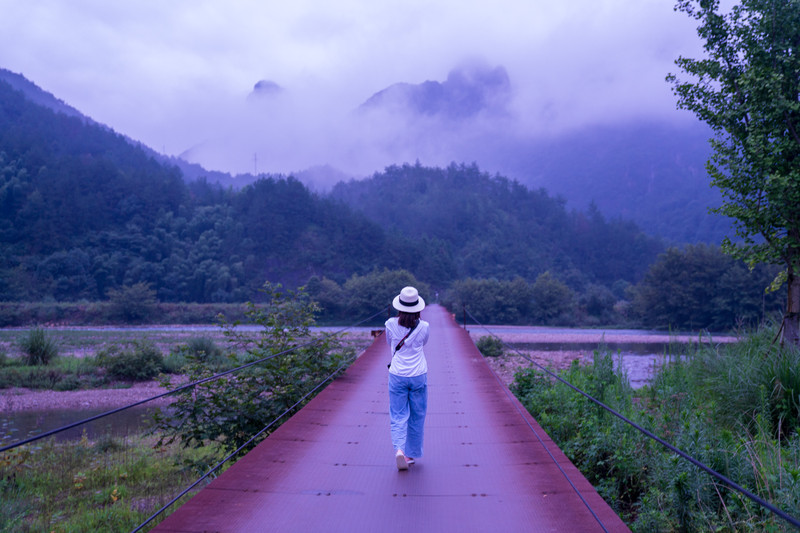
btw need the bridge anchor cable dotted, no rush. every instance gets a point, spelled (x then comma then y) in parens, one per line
(730, 483)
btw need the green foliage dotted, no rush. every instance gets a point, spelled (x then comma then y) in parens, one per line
(700, 287)
(199, 350)
(368, 293)
(598, 303)
(482, 226)
(204, 348)
(490, 346)
(38, 348)
(552, 300)
(710, 405)
(62, 486)
(361, 295)
(140, 362)
(491, 301)
(232, 409)
(134, 303)
(746, 90)
(30, 377)
(754, 379)
(64, 373)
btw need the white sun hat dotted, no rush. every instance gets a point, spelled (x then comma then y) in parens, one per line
(408, 301)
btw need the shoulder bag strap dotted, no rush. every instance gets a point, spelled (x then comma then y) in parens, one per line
(402, 342)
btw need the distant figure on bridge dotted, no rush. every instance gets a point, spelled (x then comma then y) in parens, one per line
(408, 376)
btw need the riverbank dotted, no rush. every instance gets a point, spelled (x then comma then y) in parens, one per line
(556, 349)
(639, 368)
(16, 400)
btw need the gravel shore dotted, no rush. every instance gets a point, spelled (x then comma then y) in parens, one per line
(16, 400)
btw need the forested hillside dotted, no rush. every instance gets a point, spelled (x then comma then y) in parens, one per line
(84, 210)
(494, 227)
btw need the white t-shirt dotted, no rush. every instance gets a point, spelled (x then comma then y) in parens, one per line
(408, 361)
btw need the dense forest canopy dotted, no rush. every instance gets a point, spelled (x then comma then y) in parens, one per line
(497, 228)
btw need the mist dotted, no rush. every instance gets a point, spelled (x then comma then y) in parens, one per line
(180, 76)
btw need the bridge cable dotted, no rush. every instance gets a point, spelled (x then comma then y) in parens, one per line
(541, 441)
(547, 449)
(730, 483)
(184, 387)
(254, 437)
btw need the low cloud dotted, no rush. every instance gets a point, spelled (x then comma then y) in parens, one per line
(177, 75)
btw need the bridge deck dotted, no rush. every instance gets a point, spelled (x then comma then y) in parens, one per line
(488, 466)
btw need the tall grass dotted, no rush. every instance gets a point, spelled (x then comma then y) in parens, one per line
(109, 484)
(755, 377)
(733, 408)
(38, 348)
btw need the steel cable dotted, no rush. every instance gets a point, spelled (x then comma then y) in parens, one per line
(555, 461)
(243, 446)
(730, 483)
(184, 387)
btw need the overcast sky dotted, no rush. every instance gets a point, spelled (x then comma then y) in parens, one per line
(176, 74)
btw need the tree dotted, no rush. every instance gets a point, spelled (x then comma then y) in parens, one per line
(132, 303)
(700, 287)
(747, 90)
(288, 362)
(552, 300)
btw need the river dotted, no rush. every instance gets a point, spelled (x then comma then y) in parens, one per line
(640, 352)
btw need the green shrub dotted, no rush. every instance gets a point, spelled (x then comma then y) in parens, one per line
(68, 382)
(9, 377)
(490, 346)
(31, 377)
(205, 349)
(134, 303)
(175, 362)
(713, 404)
(38, 348)
(231, 409)
(751, 378)
(200, 350)
(141, 362)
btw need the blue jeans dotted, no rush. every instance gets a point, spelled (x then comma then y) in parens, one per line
(408, 402)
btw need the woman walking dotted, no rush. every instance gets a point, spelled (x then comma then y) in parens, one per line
(408, 376)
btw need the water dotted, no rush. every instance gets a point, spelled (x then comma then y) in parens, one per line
(639, 359)
(22, 425)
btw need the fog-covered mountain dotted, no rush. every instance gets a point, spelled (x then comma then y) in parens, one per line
(38, 96)
(651, 172)
(465, 94)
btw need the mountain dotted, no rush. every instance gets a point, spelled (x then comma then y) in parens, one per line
(35, 94)
(466, 93)
(651, 172)
(84, 210)
(485, 226)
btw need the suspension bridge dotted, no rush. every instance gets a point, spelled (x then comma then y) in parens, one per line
(488, 466)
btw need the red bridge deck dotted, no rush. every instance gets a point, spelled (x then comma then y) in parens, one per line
(488, 466)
